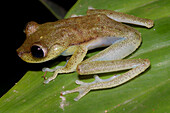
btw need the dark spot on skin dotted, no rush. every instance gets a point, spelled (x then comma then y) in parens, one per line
(98, 19)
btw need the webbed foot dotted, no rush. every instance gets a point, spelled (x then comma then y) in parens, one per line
(84, 88)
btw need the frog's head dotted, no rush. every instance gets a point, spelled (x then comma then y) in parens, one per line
(38, 46)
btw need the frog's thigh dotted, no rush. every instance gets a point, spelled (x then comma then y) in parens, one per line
(116, 51)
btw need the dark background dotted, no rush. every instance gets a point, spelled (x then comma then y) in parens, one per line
(23, 12)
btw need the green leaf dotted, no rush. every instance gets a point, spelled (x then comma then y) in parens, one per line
(55, 9)
(147, 93)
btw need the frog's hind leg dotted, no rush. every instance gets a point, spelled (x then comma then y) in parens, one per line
(109, 60)
(122, 17)
(118, 50)
(137, 66)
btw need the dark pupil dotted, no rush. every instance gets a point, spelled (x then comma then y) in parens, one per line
(37, 52)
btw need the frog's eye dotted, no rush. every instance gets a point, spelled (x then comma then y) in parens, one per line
(38, 51)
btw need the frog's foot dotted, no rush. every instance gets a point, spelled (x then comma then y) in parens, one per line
(50, 78)
(84, 88)
(50, 70)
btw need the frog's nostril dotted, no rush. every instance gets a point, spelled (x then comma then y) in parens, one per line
(21, 53)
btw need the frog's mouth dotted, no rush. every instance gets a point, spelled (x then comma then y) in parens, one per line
(26, 56)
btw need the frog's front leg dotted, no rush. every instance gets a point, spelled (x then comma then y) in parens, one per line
(76, 58)
(137, 66)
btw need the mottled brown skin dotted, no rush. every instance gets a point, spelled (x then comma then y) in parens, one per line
(75, 36)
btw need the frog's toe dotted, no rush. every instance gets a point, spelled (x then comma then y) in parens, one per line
(83, 90)
(47, 70)
(51, 78)
(46, 81)
(97, 79)
(51, 70)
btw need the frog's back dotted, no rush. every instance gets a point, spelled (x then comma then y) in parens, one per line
(84, 29)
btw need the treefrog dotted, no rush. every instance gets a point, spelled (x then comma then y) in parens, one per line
(76, 35)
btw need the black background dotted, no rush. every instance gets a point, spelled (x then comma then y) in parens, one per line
(20, 14)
